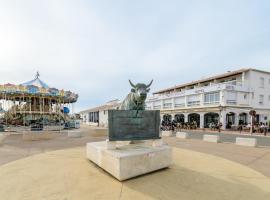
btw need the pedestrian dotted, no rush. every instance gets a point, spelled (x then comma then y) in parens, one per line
(240, 128)
(265, 129)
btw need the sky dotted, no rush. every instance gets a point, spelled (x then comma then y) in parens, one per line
(93, 47)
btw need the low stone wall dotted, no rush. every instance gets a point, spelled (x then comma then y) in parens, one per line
(211, 138)
(183, 135)
(166, 133)
(251, 142)
(39, 135)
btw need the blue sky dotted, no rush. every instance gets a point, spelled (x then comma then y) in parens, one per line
(94, 47)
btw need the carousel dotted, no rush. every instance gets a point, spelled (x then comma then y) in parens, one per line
(35, 105)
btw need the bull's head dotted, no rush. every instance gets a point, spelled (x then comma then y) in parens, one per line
(140, 90)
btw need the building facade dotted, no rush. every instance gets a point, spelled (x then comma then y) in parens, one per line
(225, 98)
(98, 116)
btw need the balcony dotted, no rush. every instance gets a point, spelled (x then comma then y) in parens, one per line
(157, 107)
(231, 102)
(179, 105)
(193, 103)
(232, 85)
(211, 103)
(167, 105)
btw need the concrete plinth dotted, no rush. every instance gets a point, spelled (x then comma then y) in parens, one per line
(74, 134)
(167, 133)
(183, 135)
(251, 142)
(211, 138)
(131, 160)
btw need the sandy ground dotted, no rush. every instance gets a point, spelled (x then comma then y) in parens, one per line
(58, 169)
(15, 148)
(68, 175)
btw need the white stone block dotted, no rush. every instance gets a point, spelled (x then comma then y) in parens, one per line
(211, 138)
(129, 161)
(167, 133)
(252, 142)
(183, 135)
(74, 134)
(110, 145)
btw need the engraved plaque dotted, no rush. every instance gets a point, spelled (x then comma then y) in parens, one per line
(133, 124)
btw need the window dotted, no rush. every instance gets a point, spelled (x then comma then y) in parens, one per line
(231, 97)
(269, 98)
(261, 97)
(262, 82)
(211, 98)
(245, 96)
(179, 102)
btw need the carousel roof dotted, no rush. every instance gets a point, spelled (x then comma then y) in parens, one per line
(36, 82)
(39, 88)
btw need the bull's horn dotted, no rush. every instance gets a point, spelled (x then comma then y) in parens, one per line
(132, 85)
(149, 84)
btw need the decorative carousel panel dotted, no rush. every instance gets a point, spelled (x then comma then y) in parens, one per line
(62, 93)
(10, 88)
(53, 91)
(68, 94)
(31, 89)
(2, 88)
(43, 91)
(22, 88)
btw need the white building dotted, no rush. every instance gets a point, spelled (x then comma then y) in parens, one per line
(230, 95)
(98, 116)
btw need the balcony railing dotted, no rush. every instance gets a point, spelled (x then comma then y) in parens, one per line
(167, 105)
(193, 103)
(231, 102)
(211, 102)
(157, 107)
(231, 85)
(179, 105)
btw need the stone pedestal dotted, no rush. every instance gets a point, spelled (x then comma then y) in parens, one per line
(127, 161)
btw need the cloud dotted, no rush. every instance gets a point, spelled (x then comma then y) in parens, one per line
(94, 47)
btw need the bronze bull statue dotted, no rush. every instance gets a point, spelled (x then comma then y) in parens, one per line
(135, 100)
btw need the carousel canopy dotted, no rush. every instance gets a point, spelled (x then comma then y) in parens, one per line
(36, 82)
(36, 87)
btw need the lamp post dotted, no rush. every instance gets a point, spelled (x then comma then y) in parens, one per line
(220, 109)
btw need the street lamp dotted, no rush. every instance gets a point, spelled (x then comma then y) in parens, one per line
(220, 109)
